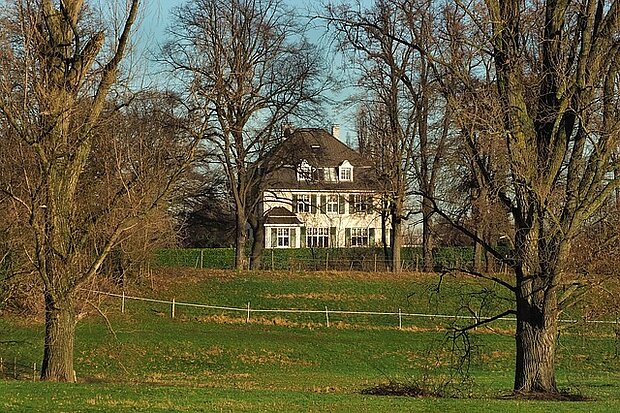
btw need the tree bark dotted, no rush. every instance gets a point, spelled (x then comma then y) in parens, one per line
(60, 323)
(387, 251)
(241, 237)
(535, 356)
(536, 335)
(537, 277)
(396, 236)
(428, 263)
(258, 245)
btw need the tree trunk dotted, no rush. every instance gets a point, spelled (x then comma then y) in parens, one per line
(387, 252)
(396, 240)
(258, 245)
(537, 278)
(60, 322)
(428, 264)
(536, 342)
(479, 251)
(241, 261)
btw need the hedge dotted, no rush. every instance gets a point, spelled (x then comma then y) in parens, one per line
(367, 259)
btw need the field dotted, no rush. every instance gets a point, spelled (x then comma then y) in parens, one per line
(217, 360)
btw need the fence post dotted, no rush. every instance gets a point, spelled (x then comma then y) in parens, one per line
(34, 371)
(417, 260)
(400, 320)
(272, 260)
(15, 368)
(202, 258)
(123, 303)
(327, 261)
(1, 366)
(327, 316)
(247, 320)
(375, 262)
(173, 305)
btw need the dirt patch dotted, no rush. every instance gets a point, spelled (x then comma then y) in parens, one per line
(393, 388)
(561, 396)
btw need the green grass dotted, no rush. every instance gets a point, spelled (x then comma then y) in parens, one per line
(207, 360)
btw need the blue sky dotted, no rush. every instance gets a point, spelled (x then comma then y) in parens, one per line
(152, 33)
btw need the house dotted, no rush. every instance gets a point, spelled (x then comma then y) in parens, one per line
(320, 193)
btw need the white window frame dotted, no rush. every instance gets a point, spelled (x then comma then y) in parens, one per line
(360, 237)
(305, 171)
(304, 203)
(317, 237)
(361, 202)
(345, 173)
(332, 203)
(329, 175)
(284, 238)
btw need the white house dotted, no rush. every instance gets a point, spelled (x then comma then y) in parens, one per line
(321, 193)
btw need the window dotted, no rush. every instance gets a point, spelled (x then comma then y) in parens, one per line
(304, 171)
(346, 174)
(303, 203)
(360, 203)
(332, 204)
(329, 174)
(283, 235)
(317, 237)
(359, 237)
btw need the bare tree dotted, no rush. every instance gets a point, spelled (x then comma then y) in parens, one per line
(72, 195)
(402, 86)
(555, 67)
(561, 140)
(246, 67)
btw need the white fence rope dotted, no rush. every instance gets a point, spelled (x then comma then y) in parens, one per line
(248, 310)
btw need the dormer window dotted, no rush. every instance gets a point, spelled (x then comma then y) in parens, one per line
(345, 171)
(304, 171)
(329, 174)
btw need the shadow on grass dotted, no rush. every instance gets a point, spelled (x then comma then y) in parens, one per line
(394, 388)
(560, 396)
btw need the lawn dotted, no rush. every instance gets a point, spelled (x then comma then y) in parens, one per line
(214, 360)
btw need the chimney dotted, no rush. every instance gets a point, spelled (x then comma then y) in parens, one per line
(336, 131)
(287, 130)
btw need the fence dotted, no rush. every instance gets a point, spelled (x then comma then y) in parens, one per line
(17, 370)
(398, 316)
(14, 369)
(339, 259)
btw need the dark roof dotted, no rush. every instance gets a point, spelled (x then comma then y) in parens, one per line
(321, 150)
(281, 215)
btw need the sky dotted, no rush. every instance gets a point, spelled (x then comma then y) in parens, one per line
(157, 16)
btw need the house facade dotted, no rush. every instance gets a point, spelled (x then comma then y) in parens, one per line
(320, 194)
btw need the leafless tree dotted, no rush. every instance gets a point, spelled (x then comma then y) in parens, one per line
(555, 66)
(246, 67)
(72, 191)
(402, 85)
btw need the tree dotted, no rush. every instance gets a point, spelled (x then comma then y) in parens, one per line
(72, 189)
(406, 112)
(561, 141)
(206, 218)
(246, 67)
(555, 67)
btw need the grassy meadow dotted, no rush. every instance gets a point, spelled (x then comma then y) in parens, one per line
(217, 360)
